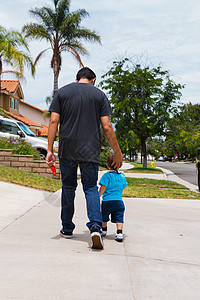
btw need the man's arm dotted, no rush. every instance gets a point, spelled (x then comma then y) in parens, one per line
(112, 140)
(53, 127)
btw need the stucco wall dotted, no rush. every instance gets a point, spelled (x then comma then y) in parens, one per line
(33, 114)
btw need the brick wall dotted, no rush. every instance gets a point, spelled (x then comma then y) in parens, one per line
(27, 163)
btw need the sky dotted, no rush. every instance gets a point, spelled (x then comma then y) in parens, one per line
(156, 32)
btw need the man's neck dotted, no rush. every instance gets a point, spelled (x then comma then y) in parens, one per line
(85, 80)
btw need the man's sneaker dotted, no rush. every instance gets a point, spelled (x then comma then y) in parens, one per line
(97, 242)
(119, 237)
(104, 232)
(66, 234)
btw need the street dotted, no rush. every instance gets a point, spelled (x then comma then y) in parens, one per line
(186, 171)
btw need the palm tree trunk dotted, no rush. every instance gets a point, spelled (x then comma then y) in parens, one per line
(55, 87)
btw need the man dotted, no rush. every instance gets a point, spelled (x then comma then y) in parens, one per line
(80, 107)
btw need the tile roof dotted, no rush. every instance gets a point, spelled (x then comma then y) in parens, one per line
(44, 130)
(10, 85)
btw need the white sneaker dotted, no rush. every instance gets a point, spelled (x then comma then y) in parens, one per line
(119, 237)
(104, 232)
(97, 242)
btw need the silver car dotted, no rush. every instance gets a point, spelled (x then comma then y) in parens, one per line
(16, 129)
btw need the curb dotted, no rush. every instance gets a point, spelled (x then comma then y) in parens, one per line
(172, 177)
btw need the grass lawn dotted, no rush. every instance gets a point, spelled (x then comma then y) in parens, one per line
(137, 187)
(138, 168)
(13, 175)
(152, 188)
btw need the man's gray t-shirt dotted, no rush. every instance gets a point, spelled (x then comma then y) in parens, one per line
(80, 106)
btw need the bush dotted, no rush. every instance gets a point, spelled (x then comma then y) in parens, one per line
(19, 146)
(103, 158)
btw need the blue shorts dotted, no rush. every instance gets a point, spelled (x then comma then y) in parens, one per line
(114, 208)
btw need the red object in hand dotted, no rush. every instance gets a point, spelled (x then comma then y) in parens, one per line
(53, 169)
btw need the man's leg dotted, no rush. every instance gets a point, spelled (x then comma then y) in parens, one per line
(69, 184)
(89, 177)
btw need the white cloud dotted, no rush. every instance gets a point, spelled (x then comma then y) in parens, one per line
(166, 31)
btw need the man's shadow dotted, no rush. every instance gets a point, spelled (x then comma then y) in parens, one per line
(79, 237)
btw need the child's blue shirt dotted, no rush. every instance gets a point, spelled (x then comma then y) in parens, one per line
(115, 182)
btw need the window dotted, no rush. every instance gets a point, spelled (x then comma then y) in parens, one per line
(12, 103)
(15, 104)
(9, 127)
(26, 129)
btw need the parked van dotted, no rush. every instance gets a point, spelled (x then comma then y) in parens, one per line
(16, 129)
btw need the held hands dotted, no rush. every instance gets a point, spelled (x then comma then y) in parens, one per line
(117, 160)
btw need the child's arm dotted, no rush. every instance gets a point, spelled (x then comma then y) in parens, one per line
(102, 190)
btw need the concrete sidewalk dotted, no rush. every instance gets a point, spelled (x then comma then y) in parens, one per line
(159, 258)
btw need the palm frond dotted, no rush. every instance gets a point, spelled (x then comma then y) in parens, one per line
(18, 74)
(46, 17)
(37, 31)
(76, 55)
(40, 55)
(88, 35)
(75, 45)
(62, 9)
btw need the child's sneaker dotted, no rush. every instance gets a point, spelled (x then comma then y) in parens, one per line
(119, 237)
(104, 231)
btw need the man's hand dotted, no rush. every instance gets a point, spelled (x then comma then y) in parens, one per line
(111, 137)
(50, 159)
(117, 160)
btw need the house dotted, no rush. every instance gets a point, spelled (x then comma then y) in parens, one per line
(12, 101)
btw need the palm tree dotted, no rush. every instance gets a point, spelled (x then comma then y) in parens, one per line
(61, 28)
(10, 41)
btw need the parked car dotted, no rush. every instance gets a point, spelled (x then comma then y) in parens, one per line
(161, 158)
(16, 129)
(168, 158)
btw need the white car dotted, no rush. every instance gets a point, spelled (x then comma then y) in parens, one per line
(16, 129)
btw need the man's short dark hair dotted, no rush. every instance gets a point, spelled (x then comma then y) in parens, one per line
(85, 73)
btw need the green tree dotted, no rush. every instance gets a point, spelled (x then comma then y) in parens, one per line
(142, 98)
(156, 146)
(62, 30)
(10, 43)
(127, 139)
(182, 135)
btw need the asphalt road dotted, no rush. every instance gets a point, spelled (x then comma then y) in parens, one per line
(186, 171)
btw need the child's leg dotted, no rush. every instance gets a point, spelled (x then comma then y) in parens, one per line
(119, 233)
(104, 224)
(119, 226)
(104, 228)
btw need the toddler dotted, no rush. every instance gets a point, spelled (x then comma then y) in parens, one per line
(112, 185)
